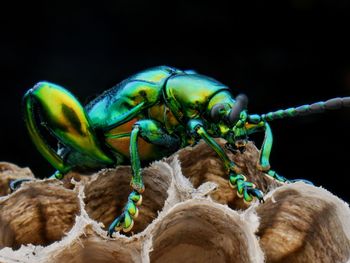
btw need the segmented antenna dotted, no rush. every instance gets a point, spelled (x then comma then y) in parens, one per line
(307, 109)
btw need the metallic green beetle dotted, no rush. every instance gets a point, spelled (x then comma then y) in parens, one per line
(146, 117)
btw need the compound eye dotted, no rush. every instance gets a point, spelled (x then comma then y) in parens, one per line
(217, 111)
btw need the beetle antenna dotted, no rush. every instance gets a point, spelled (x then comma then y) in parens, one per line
(318, 107)
(240, 105)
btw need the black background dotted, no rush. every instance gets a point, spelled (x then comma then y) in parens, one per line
(281, 54)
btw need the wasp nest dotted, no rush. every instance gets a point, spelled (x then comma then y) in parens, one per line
(189, 214)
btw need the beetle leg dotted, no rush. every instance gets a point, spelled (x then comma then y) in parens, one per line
(264, 157)
(15, 184)
(125, 221)
(44, 148)
(245, 190)
(152, 132)
(57, 110)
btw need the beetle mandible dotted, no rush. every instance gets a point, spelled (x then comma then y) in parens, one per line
(148, 116)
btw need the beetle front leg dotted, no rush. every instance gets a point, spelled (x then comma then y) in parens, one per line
(245, 190)
(264, 157)
(264, 164)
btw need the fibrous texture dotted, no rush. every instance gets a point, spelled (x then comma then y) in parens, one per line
(189, 214)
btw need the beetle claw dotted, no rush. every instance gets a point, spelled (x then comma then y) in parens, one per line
(125, 221)
(245, 190)
(15, 184)
(256, 193)
(116, 225)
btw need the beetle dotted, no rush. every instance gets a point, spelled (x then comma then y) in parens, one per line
(146, 117)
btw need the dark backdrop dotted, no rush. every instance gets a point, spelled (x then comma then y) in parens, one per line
(279, 54)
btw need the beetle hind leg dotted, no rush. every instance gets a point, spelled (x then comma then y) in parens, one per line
(15, 184)
(52, 108)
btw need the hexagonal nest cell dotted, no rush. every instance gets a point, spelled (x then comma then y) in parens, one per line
(189, 214)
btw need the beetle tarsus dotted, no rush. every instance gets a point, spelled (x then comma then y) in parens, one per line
(257, 194)
(115, 225)
(300, 180)
(245, 190)
(125, 221)
(277, 177)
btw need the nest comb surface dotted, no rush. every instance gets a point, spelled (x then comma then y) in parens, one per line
(189, 214)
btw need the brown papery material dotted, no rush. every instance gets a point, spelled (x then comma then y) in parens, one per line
(189, 214)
